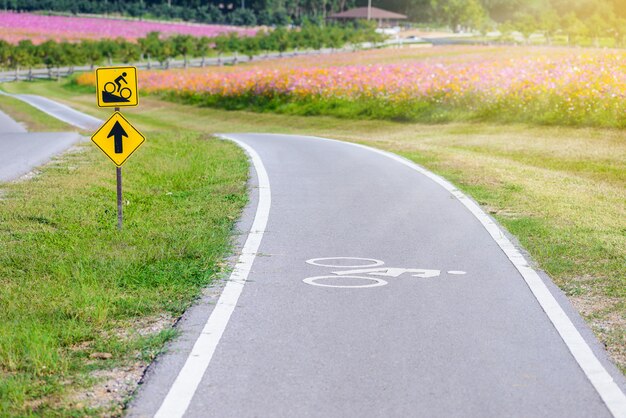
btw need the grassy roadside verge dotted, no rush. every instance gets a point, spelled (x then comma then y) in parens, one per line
(83, 305)
(561, 191)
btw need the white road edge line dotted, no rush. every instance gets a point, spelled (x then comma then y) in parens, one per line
(184, 387)
(609, 391)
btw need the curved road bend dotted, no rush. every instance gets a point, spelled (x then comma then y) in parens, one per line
(21, 151)
(473, 344)
(58, 110)
(376, 292)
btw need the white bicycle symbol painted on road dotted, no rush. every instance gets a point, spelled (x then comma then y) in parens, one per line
(365, 269)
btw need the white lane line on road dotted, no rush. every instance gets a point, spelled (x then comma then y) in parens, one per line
(182, 391)
(609, 391)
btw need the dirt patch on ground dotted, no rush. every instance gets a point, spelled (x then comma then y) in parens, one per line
(113, 387)
(112, 390)
(147, 326)
(606, 318)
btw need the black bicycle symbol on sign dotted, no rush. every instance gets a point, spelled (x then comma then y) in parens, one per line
(114, 92)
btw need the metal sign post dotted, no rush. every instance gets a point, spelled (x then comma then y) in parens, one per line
(119, 197)
(117, 138)
(118, 175)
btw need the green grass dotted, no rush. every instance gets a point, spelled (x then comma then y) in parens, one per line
(72, 285)
(560, 190)
(549, 111)
(346, 109)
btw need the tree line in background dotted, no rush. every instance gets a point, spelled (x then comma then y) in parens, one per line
(575, 18)
(153, 48)
(499, 11)
(455, 13)
(232, 12)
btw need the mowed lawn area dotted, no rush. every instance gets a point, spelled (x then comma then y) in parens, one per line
(84, 307)
(560, 190)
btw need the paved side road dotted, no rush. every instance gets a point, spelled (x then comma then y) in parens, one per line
(8, 125)
(22, 151)
(367, 287)
(60, 111)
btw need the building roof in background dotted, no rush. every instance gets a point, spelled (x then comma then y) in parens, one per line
(361, 13)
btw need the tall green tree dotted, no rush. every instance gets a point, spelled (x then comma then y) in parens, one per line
(526, 25)
(23, 56)
(250, 46)
(458, 14)
(222, 46)
(93, 52)
(573, 27)
(311, 36)
(73, 56)
(150, 46)
(185, 45)
(598, 27)
(109, 49)
(334, 37)
(281, 39)
(234, 44)
(266, 42)
(202, 48)
(51, 55)
(166, 52)
(549, 23)
(128, 52)
(6, 50)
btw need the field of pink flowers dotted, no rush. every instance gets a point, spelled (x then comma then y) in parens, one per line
(39, 28)
(544, 85)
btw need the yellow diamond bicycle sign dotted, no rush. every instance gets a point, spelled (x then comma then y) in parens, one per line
(117, 86)
(118, 139)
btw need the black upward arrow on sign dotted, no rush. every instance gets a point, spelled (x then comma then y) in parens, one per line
(117, 132)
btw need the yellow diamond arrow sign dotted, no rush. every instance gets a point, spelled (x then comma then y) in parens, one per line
(118, 139)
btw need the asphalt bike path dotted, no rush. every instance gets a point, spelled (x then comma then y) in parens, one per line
(22, 151)
(8, 125)
(58, 110)
(367, 287)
